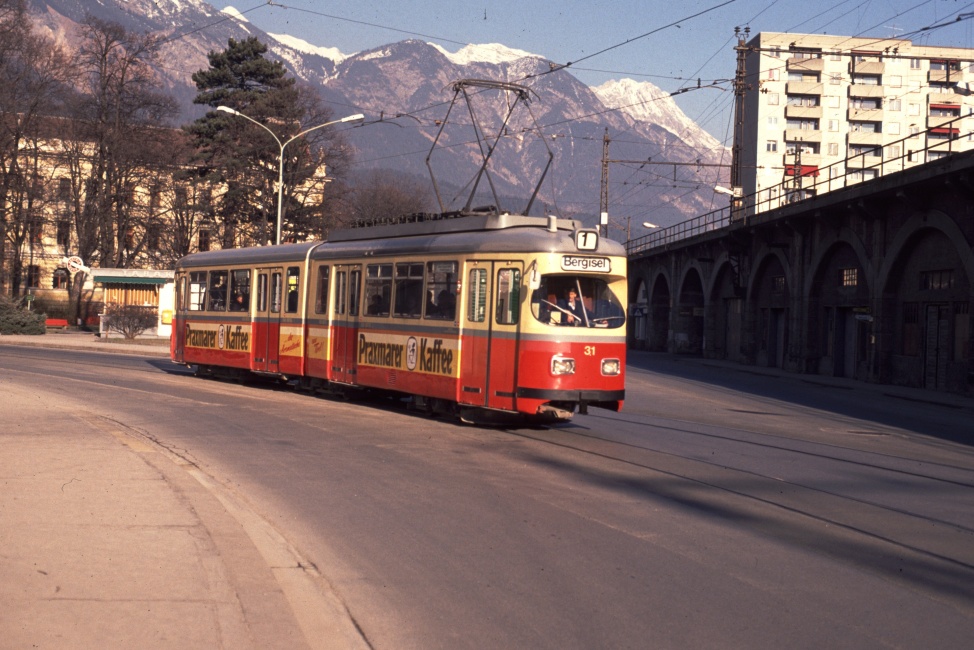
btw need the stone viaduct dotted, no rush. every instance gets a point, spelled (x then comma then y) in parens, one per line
(872, 282)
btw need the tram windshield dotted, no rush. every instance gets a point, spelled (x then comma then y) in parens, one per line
(568, 300)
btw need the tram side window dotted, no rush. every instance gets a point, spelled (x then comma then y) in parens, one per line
(409, 289)
(218, 291)
(197, 290)
(341, 292)
(276, 292)
(262, 292)
(477, 298)
(441, 290)
(293, 277)
(356, 281)
(321, 297)
(378, 289)
(240, 290)
(508, 296)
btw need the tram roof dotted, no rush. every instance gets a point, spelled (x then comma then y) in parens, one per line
(255, 255)
(483, 233)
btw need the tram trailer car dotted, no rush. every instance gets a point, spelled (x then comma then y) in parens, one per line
(468, 315)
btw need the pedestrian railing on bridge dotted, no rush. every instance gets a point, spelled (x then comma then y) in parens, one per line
(939, 141)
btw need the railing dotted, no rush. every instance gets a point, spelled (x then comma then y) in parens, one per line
(803, 187)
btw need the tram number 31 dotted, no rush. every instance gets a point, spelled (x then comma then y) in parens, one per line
(589, 350)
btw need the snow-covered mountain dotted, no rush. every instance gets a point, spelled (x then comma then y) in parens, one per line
(413, 80)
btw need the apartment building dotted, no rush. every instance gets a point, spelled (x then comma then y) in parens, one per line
(823, 112)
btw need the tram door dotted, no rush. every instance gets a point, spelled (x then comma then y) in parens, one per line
(488, 374)
(344, 340)
(267, 321)
(178, 336)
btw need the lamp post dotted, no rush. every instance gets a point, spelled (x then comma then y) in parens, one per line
(280, 167)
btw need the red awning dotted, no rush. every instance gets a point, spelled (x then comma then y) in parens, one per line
(806, 170)
(943, 129)
(946, 107)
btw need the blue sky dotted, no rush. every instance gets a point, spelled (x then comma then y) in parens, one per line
(669, 44)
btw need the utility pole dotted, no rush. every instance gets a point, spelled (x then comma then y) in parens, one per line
(604, 202)
(740, 85)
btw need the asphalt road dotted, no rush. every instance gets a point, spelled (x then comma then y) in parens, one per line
(720, 509)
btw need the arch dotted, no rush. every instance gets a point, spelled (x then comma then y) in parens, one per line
(839, 313)
(726, 311)
(926, 289)
(767, 308)
(660, 301)
(688, 326)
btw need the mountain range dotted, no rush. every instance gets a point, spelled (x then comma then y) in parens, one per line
(405, 90)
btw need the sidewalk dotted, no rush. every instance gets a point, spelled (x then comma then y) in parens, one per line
(108, 541)
(77, 340)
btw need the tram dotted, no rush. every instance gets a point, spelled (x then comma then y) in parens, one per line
(467, 314)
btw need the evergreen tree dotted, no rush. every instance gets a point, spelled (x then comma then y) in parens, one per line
(243, 157)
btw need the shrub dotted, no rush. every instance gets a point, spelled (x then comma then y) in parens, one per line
(14, 319)
(130, 320)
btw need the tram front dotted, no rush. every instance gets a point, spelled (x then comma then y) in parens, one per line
(572, 348)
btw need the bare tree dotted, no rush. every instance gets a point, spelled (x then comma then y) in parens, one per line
(33, 74)
(384, 194)
(116, 136)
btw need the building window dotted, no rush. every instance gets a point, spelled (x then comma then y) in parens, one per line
(894, 104)
(776, 52)
(893, 152)
(835, 79)
(938, 280)
(33, 276)
(866, 80)
(834, 55)
(912, 109)
(778, 285)
(771, 146)
(63, 233)
(849, 277)
(204, 240)
(893, 128)
(35, 229)
(772, 120)
(911, 329)
(833, 149)
(914, 64)
(833, 125)
(865, 127)
(914, 131)
(61, 279)
(64, 190)
(802, 125)
(773, 74)
(772, 99)
(861, 104)
(153, 236)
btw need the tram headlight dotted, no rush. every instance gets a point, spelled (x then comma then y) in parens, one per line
(611, 367)
(562, 365)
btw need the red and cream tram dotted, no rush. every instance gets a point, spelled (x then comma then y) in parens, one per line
(470, 315)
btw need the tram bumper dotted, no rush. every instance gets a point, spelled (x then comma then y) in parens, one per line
(551, 400)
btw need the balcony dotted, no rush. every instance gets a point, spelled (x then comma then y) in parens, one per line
(944, 76)
(865, 115)
(865, 138)
(863, 161)
(796, 64)
(803, 135)
(803, 112)
(934, 122)
(807, 159)
(864, 90)
(867, 67)
(803, 87)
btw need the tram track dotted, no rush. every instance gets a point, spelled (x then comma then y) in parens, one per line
(844, 511)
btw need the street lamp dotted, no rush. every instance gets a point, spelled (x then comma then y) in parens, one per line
(280, 168)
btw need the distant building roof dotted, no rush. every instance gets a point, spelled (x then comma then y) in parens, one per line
(132, 276)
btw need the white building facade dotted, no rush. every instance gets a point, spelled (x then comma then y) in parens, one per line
(823, 112)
